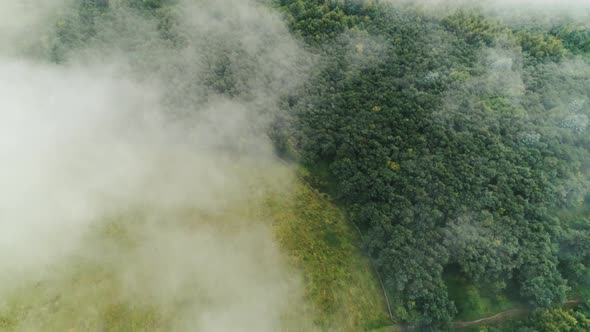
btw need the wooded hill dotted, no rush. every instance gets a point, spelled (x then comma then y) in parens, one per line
(456, 140)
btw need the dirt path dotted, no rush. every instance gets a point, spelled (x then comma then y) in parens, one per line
(499, 317)
(504, 315)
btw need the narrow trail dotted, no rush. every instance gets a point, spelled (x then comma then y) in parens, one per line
(504, 315)
(501, 316)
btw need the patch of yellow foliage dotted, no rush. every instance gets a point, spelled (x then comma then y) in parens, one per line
(393, 165)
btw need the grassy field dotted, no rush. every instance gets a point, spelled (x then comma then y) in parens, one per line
(95, 289)
(339, 281)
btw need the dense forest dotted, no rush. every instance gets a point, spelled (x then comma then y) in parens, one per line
(455, 140)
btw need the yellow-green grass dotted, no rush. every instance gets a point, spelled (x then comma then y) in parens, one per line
(85, 292)
(338, 278)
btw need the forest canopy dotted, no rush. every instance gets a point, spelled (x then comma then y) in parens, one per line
(458, 143)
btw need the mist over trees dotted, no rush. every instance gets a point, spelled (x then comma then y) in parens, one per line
(135, 167)
(455, 137)
(457, 141)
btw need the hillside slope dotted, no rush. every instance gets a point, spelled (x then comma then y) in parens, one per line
(91, 290)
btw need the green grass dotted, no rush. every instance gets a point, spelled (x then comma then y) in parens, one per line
(338, 278)
(87, 293)
(83, 298)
